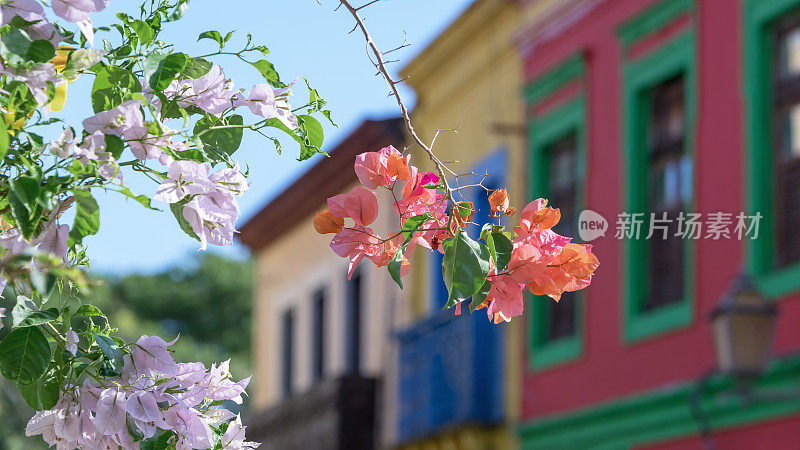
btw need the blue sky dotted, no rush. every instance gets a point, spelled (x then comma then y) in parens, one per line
(306, 40)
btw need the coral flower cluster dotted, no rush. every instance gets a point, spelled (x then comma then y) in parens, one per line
(493, 273)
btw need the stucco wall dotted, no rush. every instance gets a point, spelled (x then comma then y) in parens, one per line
(288, 272)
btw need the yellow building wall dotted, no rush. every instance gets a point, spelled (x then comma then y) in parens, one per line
(288, 272)
(470, 80)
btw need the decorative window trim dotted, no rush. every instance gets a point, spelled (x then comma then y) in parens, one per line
(567, 117)
(651, 21)
(673, 57)
(758, 19)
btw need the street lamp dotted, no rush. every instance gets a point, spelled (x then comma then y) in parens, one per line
(743, 325)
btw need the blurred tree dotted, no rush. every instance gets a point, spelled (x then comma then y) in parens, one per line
(206, 301)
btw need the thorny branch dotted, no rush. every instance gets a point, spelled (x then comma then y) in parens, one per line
(377, 58)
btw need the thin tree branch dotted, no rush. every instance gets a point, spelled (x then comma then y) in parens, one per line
(377, 58)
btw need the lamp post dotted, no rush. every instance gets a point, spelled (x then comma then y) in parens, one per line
(743, 325)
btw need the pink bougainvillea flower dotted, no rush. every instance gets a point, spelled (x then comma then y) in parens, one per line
(368, 169)
(381, 168)
(415, 189)
(547, 241)
(390, 249)
(505, 299)
(537, 215)
(570, 271)
(527, 262)
(356, 243)
(325, 222)
(359, 204)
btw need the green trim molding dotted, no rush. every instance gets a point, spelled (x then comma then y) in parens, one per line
(567, 118)
(759, 16)
(676, 56)
(665, 413)
(652, 20)
(572, 69)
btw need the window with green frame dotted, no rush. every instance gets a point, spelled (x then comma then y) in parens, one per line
(558, 142)
(772, 77)
(659, 117)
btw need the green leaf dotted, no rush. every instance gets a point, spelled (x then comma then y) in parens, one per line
(24, 355)
(315, 133)
(503, 248)
(197, 67)
(26, 189)
(213, 35)
(34, 318)
(89, 310)
(3, 140)
(464, 267)
(141, 199)
(26, 215)
(160, 70)
(143, 31)
(465, 209)
(177, 211)
(160, 441)
(44, 393)
(413, 223)
(480, 296)
(409, 228)
(19, 50)
(87, 217)
(226, 139)
(133, 431)
(113, 86)
(269, 73)
(109, 348)
(114, 145)
(500, 246)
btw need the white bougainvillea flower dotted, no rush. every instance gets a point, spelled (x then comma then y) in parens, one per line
(123, 119)
(2, 310)
(213, 219)
(109, 416)
(54, 240)
(64, 145)
(30, 11)
(272, 104)
(184, 178)
(72, 342)
(78, 10)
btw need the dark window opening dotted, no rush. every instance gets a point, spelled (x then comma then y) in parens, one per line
(287, 352)
(786, 142)
(669, 188)
(562, 180)
(318, 336)
(353, 323)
